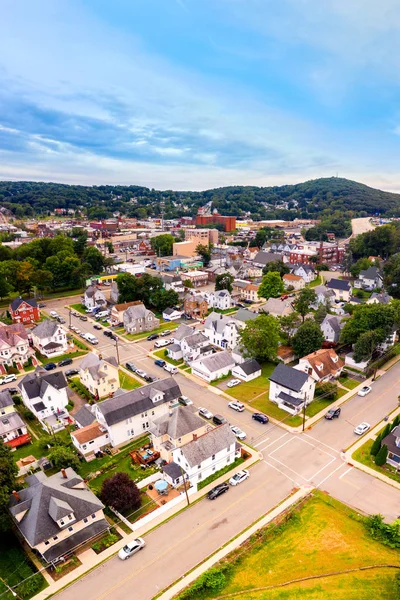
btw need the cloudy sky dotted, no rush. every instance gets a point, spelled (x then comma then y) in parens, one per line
(191, 94)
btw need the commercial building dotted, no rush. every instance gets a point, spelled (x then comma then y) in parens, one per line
(202, 236)
(228, 223)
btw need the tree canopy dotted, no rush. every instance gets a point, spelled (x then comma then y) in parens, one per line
(367, 318)
(260, 338)
(271, 286)
(224, 282)
(162, 244)
(8, 473)
(303, 302)
(307, 339)
(120, 492)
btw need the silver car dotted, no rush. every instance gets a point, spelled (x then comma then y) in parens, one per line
(131, 548)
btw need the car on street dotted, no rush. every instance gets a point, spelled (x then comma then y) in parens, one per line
(83, 318)
(152, 337)
(219, 420)
(159, 362)
(204, 412)
(365, 390)
(148, 378)
(42, 305)
(362, 428)
(53, 314)
(131, 548)
(217, 491)
(8, 379)
(65, 362)
(238, 432)
(233, 383)
(239, 477)
(141, 373)
(13, 391)
(50, 366)
(78, 331)
(97, 326)
(185, 401)
(107, 333)
(161, 343)
(61, 320)
(166, 332)
(71, 372)
(260, 418)
(238, 406)
(333, 413)
(131, 367)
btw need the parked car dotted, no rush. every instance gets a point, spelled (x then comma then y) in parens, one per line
(260, 418)
(219, 420)
(217, 491)
(131, 367)
(333, 413)
(362, 428)
(107, 333)
(65, 362)
(159, 362)
(8, 379)
(238, 406)
(50, 366)
(41, 305)
(71, 372)
(53, 314)
(13, 391)
(365, 390)
(131, 548)
(239, 477)
(205, 413)
(98, 327)
(148, 378)
(61, 320)
(152, 337)
(83, 318)
(185, 401)
(166, 332)
(141, 373)
(238, 432)
(161, 343)
(232, 383)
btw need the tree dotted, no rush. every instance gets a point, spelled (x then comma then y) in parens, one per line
(376, 446)
(391, 278)
(321, 267)
(361, 265)
(94, 258)
(224, 282)
(163, 299)
(120, 492)
(260, 338)
(307, 339)
(366, 318)
(8, 473)
(320, 313)
(127, 287)
(63, 457)
(110, 247)
(5, 287)
(380, 458)
(188, 283)
(305, 298)
(278, 266)
(365, 346)
(271, 286)
(326, 390)
(289, 324)
(205, 253)
(162, 244)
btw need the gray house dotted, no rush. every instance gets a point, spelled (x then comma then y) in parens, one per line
(138, 318)
(331, 327)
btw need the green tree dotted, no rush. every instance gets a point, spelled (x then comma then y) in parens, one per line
(376, 446)
(365, 345)
(163, 299)
(162, 244)
(305, 298)
(205, 252)
(224, 282)
(260, 338)
(94, 258)
(271, 286)
(289, 324)
(320, 313)
(63, 457)
(368, 317)
(361, 265)
(80, 237)
(8, 473)
(5, 287)
(307, 339)
(110, 247)
(277, 266)
(380, 458)
(188, 283)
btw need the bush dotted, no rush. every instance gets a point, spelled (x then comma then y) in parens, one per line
(380, 458)
(120, 492)
(327, 390)
(376, 446)
(26, 413)
(30, 587)
(211, 581)
(383, 532)
(105, 542)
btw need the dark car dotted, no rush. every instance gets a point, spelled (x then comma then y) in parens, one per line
(83, 318)
(98, 327)
(152, 337)
(148, 378)
(159, 362)
(114, 337)
(131, 367)
(217, 491)
(260, 418)
(219, 420)
(108, 333)
(41, 305)
(13, 391)
(50, 366)
(71, 372)
(333, 413)
(65, 362)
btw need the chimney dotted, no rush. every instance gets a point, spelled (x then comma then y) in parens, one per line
(64, 473)
(194, 437)
(16, 496)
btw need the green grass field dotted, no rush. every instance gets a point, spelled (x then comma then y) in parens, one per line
(321, 537)
(363, 455)
(15, 567)
(127, 382)
(349, 383)
(144, 334)
(248, 391)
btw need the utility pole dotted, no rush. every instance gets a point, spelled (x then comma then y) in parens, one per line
(184, 483)
(162, 206)
(116, 347)
(70, 316)
(8, 587)
(304, 413)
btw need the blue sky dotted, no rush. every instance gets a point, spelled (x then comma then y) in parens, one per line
(192, 94)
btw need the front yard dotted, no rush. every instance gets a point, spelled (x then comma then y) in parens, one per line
(127, 382)
(15, 566)
(249, 391)
(144, 334)
(162, 354)
(363, 455)
(349, 382)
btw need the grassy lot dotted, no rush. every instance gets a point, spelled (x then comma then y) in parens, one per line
(34, 448)
(362, 294)
(161, 354)
(219, 473)
(272, 410)
(79, 308)
(127, 382)
(144, 334)
(15, 567)
(317, 281)
(44, 360)
(248, 391)
(349, 383)
(321, 537)
(363, 455)
(148, 505)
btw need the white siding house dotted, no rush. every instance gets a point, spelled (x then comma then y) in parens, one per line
(213, 367)
(49, 338)
(222, 331)
(45, 395)
(291, 389)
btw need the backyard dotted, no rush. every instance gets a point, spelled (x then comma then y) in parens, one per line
(320, 538)
(15, 566)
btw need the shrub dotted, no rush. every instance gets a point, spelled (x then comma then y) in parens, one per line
(376, 446)
(327, 390)
(30, 587)
(120, 492)
(211, 581)
(105, 542)
(380, 458)
(26, 413)
(383, 532)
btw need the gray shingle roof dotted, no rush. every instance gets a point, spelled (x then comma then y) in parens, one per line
(263, 258)
(250, 366)
(290, 399)
(35, 384)
(96, 365)
(288, 377)
(76, 540)
(45, 329)
(17, 301)
(370, 273)
(244, 314)
(217, 322)
(335, 322)
(182, 332)
(207, 445)
(84, 417)
(139, 311)
(5, 399)
(196, 339)
(217, 361)
(172, 470)
(181, 422)
(10, 422)
(339, 284)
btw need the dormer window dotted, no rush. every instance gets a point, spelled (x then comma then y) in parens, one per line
(320, 367)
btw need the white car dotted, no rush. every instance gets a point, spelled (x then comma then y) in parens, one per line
(362, 428)
(8, 379)
(54, 314)
(238, 406)
(239, 477)
(233, 383)
(238, 432)
(364, 390)
(141, 373)
(205, 413)
(161, 343)
(131, 548)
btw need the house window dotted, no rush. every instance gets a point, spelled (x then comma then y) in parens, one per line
(84, 446)
(199, 466)
(62, 523)
(70, 517)
(91, 442)
(93, 516)
(55, 538)
(213, 457)
(199, 476)
(228, 460)
(47, 543)
(85, 520)
(70, 528)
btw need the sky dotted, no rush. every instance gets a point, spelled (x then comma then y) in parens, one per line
(194, 94)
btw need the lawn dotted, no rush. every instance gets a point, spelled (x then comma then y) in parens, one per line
(321, 537)
(272, 410)
(34, 448)
(363, 456)
(79, 308)
(15, 566)
(317, 281)
(161, 354)
(144, 334)
(248, 391)
(127, 382)
(349, 382)
(148, 505)
(45, 360)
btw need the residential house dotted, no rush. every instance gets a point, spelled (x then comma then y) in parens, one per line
(114, 293)
(118, 310)
(205, 455)
(130, 414)
(13, 430)
(290, 388)
(379, 298)
(175, 349)
(174, 430)
(173, 282)
(369, 279)
(286, 354)
(57, 514)
(277, 307)
(247, 370)
(138, 318)
(264, 258)
(213, 367)
(306, 272)
(323, 365)
(89, 440)
(331, 327)
(84, 416)
(389, 341)
(324, 296)
(392, 441)
(251, 253)
(24, 311)
(220, 299)
(221, 330)
(195, 305)
(94, 298)
(341, 288)
(45, 394)
(239, 354)
(49, 338)
(238, 286)
(99, 375)
(172, 314)
(196, 346)
(294, 281)
(244, 315)
(250, 293)
(14, 346)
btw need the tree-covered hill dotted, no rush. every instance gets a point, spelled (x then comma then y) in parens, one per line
(314, 198)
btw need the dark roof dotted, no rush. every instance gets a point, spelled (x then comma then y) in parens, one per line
(244, 314)
(390, 441)
(39, 406)
(5, 399)
(140, 400)
(288, 377)
(84, 417)
(75, 540)
(46, 329)
(181, 422)
(290, 399)
(35, 384)
(172, 470)
(263, 258)
(249, 366)
(17, 301)
(52, 346)
(370, 273)
(339, 284)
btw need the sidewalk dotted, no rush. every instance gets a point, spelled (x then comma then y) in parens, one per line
(93, 560)
(210, 562)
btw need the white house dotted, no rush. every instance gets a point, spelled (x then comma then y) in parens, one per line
(221, 330)
(322, 365)
(369, 279)
(175, 350)
(45, 394)
(291, 389)
(213, 367)
(324, 296)
(306, 272)
(14, 346)
(89, 440)
(247, 370)
(341, 288)
(13, 430)
(221, 299)
(94, 297)
(294, 281)
(173, 282)
(196, 346)
(379, 298)
(331, 327)
(172, 314)
(49, 338)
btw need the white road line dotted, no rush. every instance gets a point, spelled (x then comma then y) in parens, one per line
(322, 469)
(281, 472)
(330, 475)
(319, 442)
(260, 444)
(314, 446)
(274, 442)
(286, 467)
(345, 473)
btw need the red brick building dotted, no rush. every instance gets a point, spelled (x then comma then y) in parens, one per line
(24, 311)
(329, 254)
(229, 223)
